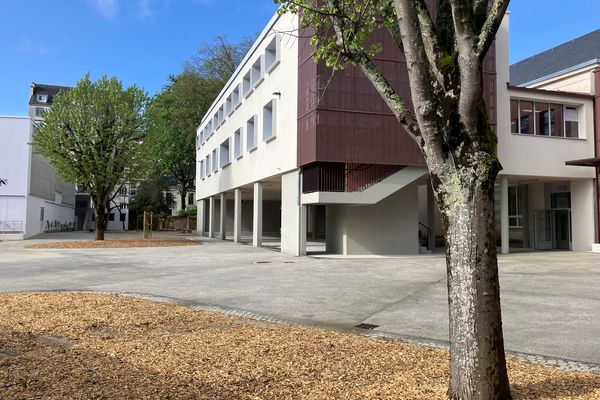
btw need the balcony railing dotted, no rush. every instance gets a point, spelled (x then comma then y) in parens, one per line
(10, 227)
(341, 177)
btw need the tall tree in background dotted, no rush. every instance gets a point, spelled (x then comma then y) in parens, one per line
(444, 57)
(93, 135)
(175, 113)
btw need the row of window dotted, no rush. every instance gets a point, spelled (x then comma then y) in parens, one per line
(251, 80)
(529, 117)
(234, 146)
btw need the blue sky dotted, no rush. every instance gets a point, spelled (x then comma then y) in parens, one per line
(143, 41)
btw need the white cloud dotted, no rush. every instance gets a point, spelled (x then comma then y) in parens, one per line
(108, 8)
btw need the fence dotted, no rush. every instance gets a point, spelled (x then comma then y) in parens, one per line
(11, 227)
(177, 224)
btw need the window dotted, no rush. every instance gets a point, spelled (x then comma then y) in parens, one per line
(571, 122)
(515, 207)
(198, 140)
(215, 165)
(247, 85)
(122, 217)
(202, 176)
(544, 119)
(272, 53)
(111, 216)
(224, 155)
(190, 199)
(257, 72)
(215, 121)
(251, 133)
(237, 143)
(236, 98)
(42, 98)
(39, 111)
(207, 165)
(270, 120)
(229, 104)
(123, 191)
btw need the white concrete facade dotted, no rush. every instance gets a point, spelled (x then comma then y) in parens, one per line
(23, 213)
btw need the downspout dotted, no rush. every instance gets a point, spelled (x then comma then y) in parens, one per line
(596, 104)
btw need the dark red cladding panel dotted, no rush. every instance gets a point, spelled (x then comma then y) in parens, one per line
(342, 118)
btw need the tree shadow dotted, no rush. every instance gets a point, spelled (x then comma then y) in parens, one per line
(557, 388)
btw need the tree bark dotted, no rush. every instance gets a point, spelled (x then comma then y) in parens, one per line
(100, 221)
(478, 364)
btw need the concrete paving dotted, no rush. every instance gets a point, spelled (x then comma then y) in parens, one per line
(551, 300)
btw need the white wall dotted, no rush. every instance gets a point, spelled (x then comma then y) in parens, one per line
(539, 156)
(271, 158)
(15, 135)
(52, 212)
(582, 214)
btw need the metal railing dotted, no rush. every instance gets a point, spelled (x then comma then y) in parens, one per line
(11, 226)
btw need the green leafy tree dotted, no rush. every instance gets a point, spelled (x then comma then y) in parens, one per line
(174, 113)
(151, 195)
(444, 55)
(93, 135)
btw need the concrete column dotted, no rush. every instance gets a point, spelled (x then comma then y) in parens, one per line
(222, 212)
(504, 239)
(237, 216)
(431, 207)
(293, 216)
(582, 214)
(211, 216)
(201, 217)
(258, 215)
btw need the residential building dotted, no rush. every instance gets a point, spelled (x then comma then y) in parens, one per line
(289, 152)
(173, 192)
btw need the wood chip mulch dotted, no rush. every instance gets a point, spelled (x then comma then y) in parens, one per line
(85, 346)
(116, 243)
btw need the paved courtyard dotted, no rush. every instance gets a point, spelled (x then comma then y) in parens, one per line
(551, 300)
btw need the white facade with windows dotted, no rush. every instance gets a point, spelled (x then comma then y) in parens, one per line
(249, 186)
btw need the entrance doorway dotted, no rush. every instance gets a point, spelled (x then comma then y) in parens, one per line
(553, 229)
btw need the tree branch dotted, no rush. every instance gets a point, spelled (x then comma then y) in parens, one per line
(490, 27)
(430, 40)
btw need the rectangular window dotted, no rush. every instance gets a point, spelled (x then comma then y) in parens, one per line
(514, 116)
(229, 105)
(270, 120)
(122, 217)
(215, 164)
(207, 165)
(247, 84)
(526, 118)
(236, 98)
(516, 204)
(272, 53)
(257, 72)
(571, 122)
(190, 198)
(111, 216)
(224, 155)
(542, 119)
(237, 143)
(202, 176)
(251, 133)
(215, 121)
(556, 120)
(39, 111)
(221, 114)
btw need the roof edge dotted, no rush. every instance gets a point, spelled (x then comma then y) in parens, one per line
(550, 92)
(561, 72)
(238, 70)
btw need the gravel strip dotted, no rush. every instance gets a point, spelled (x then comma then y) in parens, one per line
(80, 346)
(116, 243)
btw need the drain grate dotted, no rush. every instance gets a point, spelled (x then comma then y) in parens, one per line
(262, 262)
(368, 327)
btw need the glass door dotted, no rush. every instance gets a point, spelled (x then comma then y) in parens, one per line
(562, 229)
(543, 230)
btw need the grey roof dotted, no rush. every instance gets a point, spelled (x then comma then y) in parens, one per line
(585, 50)
(50, 90)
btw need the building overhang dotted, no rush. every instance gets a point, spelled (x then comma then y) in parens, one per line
(586, 162)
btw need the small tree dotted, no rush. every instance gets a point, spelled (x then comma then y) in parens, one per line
(92, 136)
(449, 122)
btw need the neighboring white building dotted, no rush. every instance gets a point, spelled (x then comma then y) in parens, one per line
(34, 199)
(280, 159)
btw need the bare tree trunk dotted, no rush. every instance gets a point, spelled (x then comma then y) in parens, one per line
(478, 364)
(100, 221)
